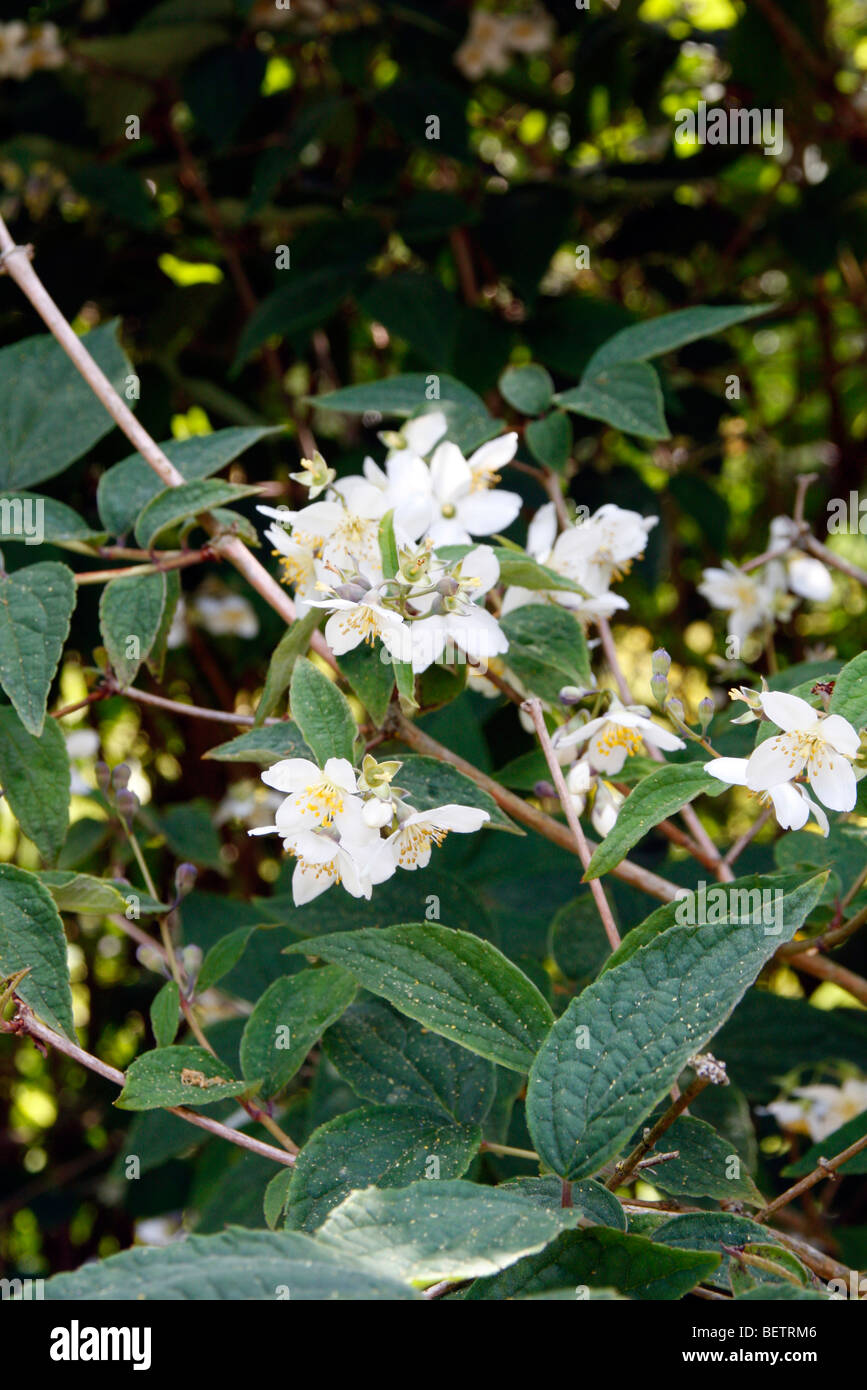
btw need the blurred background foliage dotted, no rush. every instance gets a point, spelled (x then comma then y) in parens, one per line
(162, 168)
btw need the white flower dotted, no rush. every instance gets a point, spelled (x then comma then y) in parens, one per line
(614, 736)
(409, 847)
(485, 49)
(823, 1109)
(453, 498)
(417, 437)
(822, 745)
(353, 622)
(578, 780)
(314, 796)
(315, 475)
(530, 33)
(23, 50)
(606, 808)
(82, 745)
(748, 600)
(591, 554)
(224, 614)
(461, 621)
(792, 805)
(809, 578)
(342, 856)
(343, 529)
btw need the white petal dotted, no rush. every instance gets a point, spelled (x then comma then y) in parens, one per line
(790, 807)
(788, 712)
(774, 761)
(840, 734)
(451, 475)
(808, 578)
(491, 509)
(833, 780)
(463, 819)
(494, 455)
(730, 770)
(340, 772)
(422, 433)
(291, 774)
(542, 531)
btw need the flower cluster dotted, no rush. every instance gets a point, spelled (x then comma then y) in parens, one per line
(820, 747)
(25, 49)
(492, 40)
(593, 554)
(432, 603)
(354, 828)
(820, 1109)
(755, 599)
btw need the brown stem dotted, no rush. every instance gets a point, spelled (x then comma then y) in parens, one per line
(18, 266)
(825, 1168)
(25, 1022)
(534, 709)
(623, 1171)
(553, 830)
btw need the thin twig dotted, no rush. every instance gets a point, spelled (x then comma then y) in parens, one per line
(533, 707)
(25, 1022)
(624, 1171)
(232, 547)
(825, 1168)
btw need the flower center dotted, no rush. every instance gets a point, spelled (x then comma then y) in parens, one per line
(324, 801)
(619, 736)
(413, 842)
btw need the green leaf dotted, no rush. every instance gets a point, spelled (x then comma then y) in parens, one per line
(222, 957)
(291, 1016)
(371, 678)
(578, 941)
(322, 713)
(157, 655)
(153, 1080)
(276, 1197)
(711, 1230)
(602, 1257)
(419, 309)
(128, 486)
(309, 297)
(550, 439)
(31, 936)
(234, 1265)
(849, 697)
(671, 331)
(388, 546)
(703, 1166)
(190, 832)
(36, 605)
(528, 389)
(58, 524)
(430, 1231)
(618, 1048)
(664, 792)
(378, 1146)
(130, 616)
(433, 783)
(449, 981)
(516, 567)
(404, 678)
(48, 414)
(547, 649)
(34, 773)
(626, 395)
(166, 1014)
(265, 745)
(744, 898)
(293, 643)
(176, 504)
(83, 893)
(469, 423)
(589, 1199)
(393, 1060)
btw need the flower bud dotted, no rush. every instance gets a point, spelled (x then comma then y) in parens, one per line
(544, 789)
(191, 959)
(120, 777)
(660, 662)
(571, 694)
(127, 804)
(377, 814)
(353, 591)
(103, 776)
(675, 709)
(448, 586)
(151, 960)
(659, 686)
(705, 712)
(185, 879)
